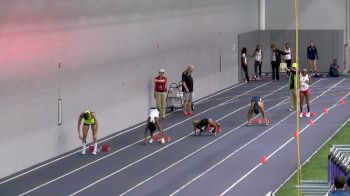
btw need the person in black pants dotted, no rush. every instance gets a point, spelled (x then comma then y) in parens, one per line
(258, 55)
(244, 63)
(275, 61)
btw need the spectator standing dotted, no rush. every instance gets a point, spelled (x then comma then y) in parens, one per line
(258, 56)
(276, 61)
(187, 88)
(312, 55)
(160, 89)
(292, 93)
(244, 63)
(288, 57)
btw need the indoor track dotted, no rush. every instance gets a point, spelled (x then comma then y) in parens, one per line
(229, 163)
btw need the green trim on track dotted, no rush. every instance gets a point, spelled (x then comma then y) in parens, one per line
(316, 168)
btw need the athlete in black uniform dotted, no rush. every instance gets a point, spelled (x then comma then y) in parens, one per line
(203, 124)
(257, 105)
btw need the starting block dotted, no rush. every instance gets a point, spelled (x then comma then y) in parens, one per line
(311, 113)
(102, 148)
(259, 121)
(210, 129)
(156, 137)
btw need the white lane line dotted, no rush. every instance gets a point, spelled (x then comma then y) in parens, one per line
(233, 153)
(139, 160)
(218, 93)
(282, 146)
(189, 155)
(309, 158)
(101, 141)
(273, 153)
(110, 154)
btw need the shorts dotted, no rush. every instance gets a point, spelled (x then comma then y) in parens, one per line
(204, 122)
(89, 124)
(188, 96)
(255, 99)
(152, 127)
(305, 92)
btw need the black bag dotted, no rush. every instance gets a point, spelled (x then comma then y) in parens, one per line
(318, 75)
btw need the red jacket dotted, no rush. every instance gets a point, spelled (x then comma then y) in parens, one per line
(160, 86)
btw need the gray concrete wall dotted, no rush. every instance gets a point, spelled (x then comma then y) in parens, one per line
(313, 15)
(347, 48)
(330, 45)
(110, 50)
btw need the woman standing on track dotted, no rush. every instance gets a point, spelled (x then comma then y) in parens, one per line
(90, 120)
(258, 56)
(244, 63)
(288, 56)
(304, 92)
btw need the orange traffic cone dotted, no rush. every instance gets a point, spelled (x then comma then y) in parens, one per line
(342, 102)
(263, 159)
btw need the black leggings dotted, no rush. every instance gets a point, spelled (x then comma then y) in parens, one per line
(245, 68)
(256, 65)
(289, 64)
(275, 70)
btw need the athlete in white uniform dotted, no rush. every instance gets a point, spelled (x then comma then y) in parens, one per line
(153, 123)
(304, 92)
(288, 57)
(258, 56)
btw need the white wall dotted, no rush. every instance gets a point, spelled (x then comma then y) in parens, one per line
(110, 50)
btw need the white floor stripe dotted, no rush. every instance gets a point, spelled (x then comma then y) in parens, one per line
(101, 141)
(110, 154)
(189, 155)
(230, 155)
(278, 149)
(309, 158)
(133, 163)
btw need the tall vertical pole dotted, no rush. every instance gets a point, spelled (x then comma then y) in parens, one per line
(296, 88)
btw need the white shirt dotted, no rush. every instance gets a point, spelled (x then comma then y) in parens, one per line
(245, 58)
(258, 55)
(288, 56)
(273, 56)
(304, 82)
(153, 113)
